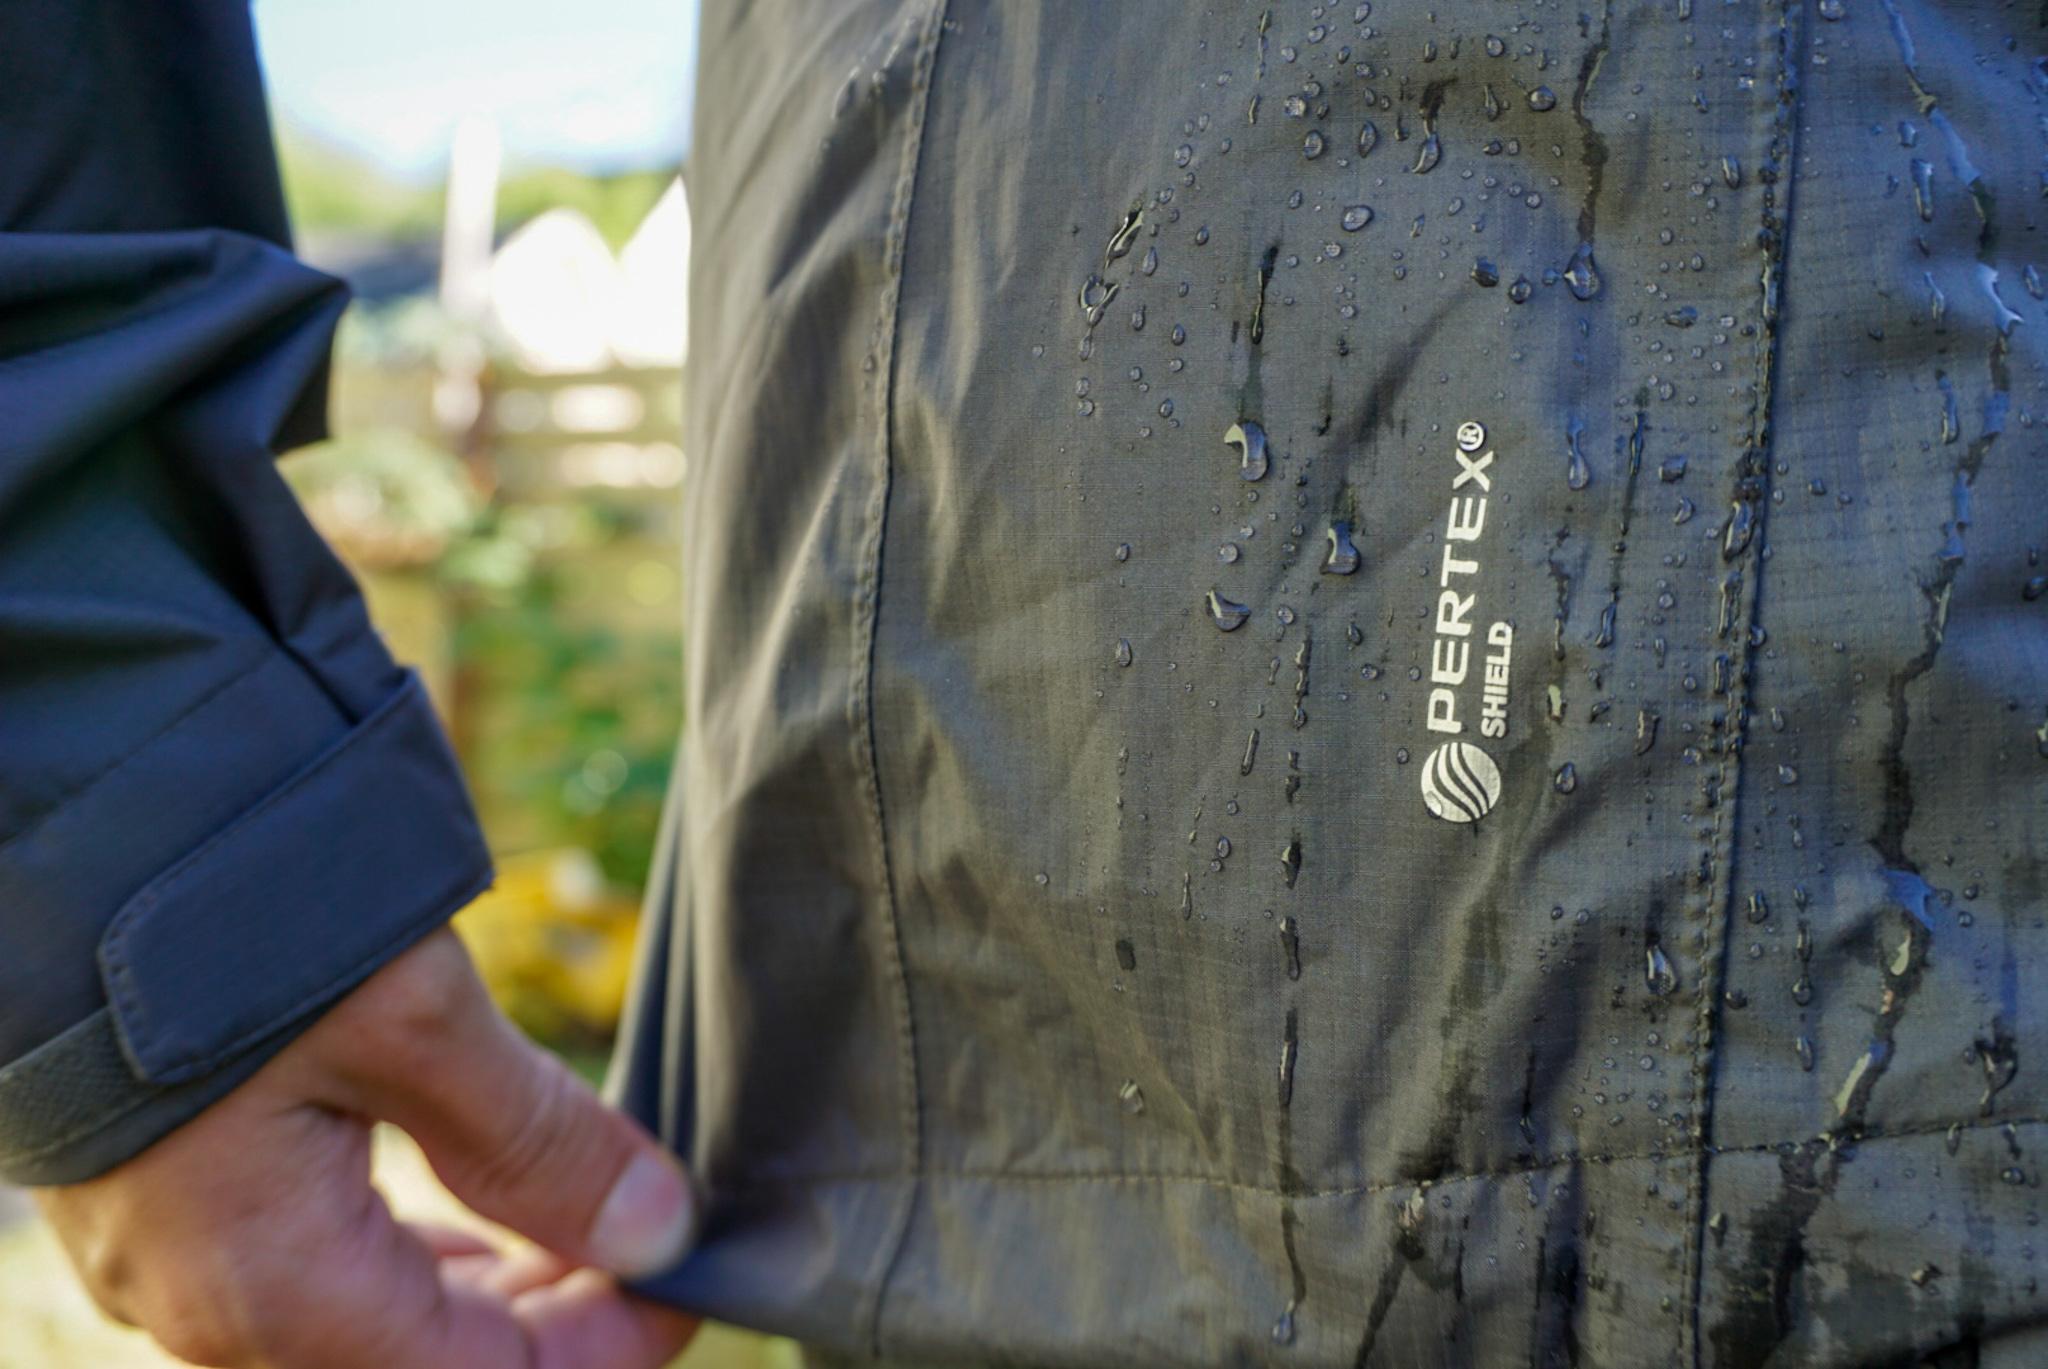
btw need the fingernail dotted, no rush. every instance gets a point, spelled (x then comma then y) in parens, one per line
(646, 1222)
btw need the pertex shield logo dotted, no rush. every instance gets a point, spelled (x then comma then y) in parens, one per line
(1460, 782)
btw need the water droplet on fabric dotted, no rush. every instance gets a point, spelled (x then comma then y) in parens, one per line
(1131, 1098)
(1582, 274)
(1431, 153)
(1657, 971)
(1250, 440)
(1356, 217)
(1542, 99)
(1120, 241)
(1123, 651)
(1290, 861)
(1342, 557)
(1228, 615)
(1577, 473)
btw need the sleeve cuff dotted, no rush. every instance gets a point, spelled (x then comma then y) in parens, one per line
(217, 962)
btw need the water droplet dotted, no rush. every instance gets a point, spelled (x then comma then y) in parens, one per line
(1228, 553)
(1833, 10)
(1131, 1098)
(1342, 557)
(1542, 99)
(1486, 273)
(1123, 551)
(1432, 152)
(1646, 730)
(1583, 275)
(1283, 1327)
(1126, 956)
(1657, 970)
(1120, 241)
(1566, 779)
(1313, 144)
(1368, 139)
(1803, 1048)
(1288, 1051)
(1577, 474)
(1228, 615)
(1741, 528)
(1923, 189)
(1250, 440)
(1290, 943)
(1290, 861)
(1357, 217)
(1521, 290)
(1123, 651)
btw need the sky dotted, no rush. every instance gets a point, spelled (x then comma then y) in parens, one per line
(597, 85)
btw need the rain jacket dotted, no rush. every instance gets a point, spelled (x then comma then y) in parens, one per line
(1367, 684)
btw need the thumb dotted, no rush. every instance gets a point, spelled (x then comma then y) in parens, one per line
(515, 1134)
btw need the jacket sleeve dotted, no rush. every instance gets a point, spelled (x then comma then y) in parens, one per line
(222, 805)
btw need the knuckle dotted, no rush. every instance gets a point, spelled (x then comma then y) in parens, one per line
(542, 1137)
(409, 1010)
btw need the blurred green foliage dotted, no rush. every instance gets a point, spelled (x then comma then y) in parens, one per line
(328, 190)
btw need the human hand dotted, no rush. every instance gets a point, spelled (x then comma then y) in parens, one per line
(251, 1238)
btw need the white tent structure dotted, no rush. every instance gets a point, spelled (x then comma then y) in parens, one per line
(564, 303)
(650, 328)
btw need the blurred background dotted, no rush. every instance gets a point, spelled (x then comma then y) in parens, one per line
(498, 184)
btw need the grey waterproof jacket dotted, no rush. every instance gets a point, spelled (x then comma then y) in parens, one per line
(1367, 683)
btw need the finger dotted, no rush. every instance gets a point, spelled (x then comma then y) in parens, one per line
(587, 1322)
(508, 1128)
(448, 1242)
(521, 1272)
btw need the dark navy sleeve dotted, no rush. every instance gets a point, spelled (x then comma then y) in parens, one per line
(222, 805)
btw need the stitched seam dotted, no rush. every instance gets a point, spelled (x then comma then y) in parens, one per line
(884, 351)
(1756, 465)
(1370, 1187)
(113, 767)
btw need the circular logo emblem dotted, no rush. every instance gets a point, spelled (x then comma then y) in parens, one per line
(1471, 436)
(1460, 783)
